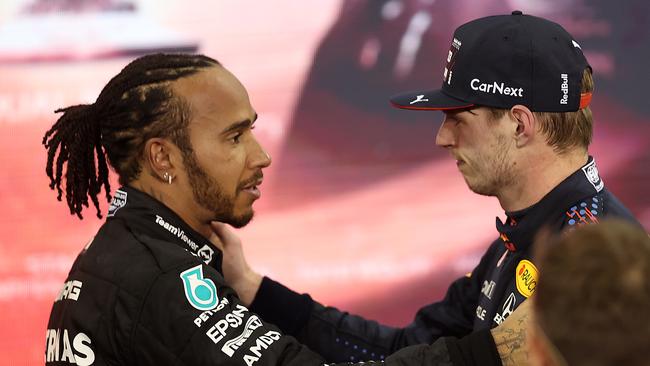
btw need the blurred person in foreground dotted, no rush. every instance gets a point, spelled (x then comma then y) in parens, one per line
(593, 295)
(148, 289)
(515, 94)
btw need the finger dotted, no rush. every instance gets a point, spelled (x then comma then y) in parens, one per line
(216, 240)
(226, 235)
(217, 226)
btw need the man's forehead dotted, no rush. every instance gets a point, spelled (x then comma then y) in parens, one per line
(212, 80)
(214, 92)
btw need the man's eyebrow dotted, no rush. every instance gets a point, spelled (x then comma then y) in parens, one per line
(247, 123)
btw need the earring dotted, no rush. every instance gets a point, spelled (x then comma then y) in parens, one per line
(168, 177)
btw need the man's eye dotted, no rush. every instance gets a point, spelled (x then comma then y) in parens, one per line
(235, 139)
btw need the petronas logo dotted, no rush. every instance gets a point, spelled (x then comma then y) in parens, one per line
(200, 292)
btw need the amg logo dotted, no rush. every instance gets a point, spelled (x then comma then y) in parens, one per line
(177, 232)
(70, 290)
(565, 89)
(496, 88)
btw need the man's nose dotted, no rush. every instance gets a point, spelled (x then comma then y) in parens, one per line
(445, 136)
(259, 157)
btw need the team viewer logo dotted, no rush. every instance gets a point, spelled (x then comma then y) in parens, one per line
(200, 292)
(526, 275)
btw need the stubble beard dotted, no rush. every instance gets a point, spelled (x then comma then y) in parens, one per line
(209, 194)
(496, 173)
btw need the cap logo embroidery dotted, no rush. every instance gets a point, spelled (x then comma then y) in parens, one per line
(453, 50)
(419, 98)
(576, 45)
(565, 89)
(496, 88)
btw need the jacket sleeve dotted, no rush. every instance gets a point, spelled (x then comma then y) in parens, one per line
(189, 317)
(342, 337)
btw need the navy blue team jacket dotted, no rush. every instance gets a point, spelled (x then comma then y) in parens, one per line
(505, 277)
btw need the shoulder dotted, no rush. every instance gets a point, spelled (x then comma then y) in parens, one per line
(131, 260)
(594, 208)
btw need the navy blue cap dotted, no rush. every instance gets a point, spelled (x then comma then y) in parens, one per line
(504, 60)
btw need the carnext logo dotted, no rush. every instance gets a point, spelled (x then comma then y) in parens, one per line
(496, 88)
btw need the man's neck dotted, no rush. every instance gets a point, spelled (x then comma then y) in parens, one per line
(539, 175)
(174, 202)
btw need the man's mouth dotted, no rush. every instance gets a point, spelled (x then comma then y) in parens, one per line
(459, 161)
(251, 186)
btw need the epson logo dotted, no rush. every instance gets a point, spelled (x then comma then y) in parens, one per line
(496, 88)
(565, 89)
(179, 233)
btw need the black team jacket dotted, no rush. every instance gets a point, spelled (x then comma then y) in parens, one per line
(149, 290)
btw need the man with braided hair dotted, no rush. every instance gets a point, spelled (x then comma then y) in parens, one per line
(148, 289)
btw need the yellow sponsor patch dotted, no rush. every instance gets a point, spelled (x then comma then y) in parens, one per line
(526, 275)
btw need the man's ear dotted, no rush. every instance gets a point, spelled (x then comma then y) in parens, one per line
(526, 124)
(160, 157)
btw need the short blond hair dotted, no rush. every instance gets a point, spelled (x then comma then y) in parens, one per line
(564, 130)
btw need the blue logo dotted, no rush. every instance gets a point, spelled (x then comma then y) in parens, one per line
(200, 292)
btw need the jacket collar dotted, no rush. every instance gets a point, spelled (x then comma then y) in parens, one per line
(520, 227)
(144, 214)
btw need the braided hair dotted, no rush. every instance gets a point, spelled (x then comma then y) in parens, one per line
(136, 105)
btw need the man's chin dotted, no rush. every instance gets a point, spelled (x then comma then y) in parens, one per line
(478, 188)
(239, 221)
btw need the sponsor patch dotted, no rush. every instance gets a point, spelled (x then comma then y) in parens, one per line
(200, 292)
(418, 99)
(118, 201)
(591, 172)
(565, 88)
(488, 288)
(70, 291)
(507, 309)
(64, 346)
(451, 60)
(205, 253)
(179, 233)
(496, 88)
(233, 345)
(526, 275)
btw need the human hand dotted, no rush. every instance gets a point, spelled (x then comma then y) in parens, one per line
(510, 336)
(236, 271)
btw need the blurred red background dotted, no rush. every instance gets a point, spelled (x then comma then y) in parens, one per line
(359, 208)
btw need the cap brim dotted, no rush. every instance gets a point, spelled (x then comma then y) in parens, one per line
(431, 100)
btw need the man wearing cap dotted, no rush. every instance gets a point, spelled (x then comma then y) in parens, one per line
(515, 95)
